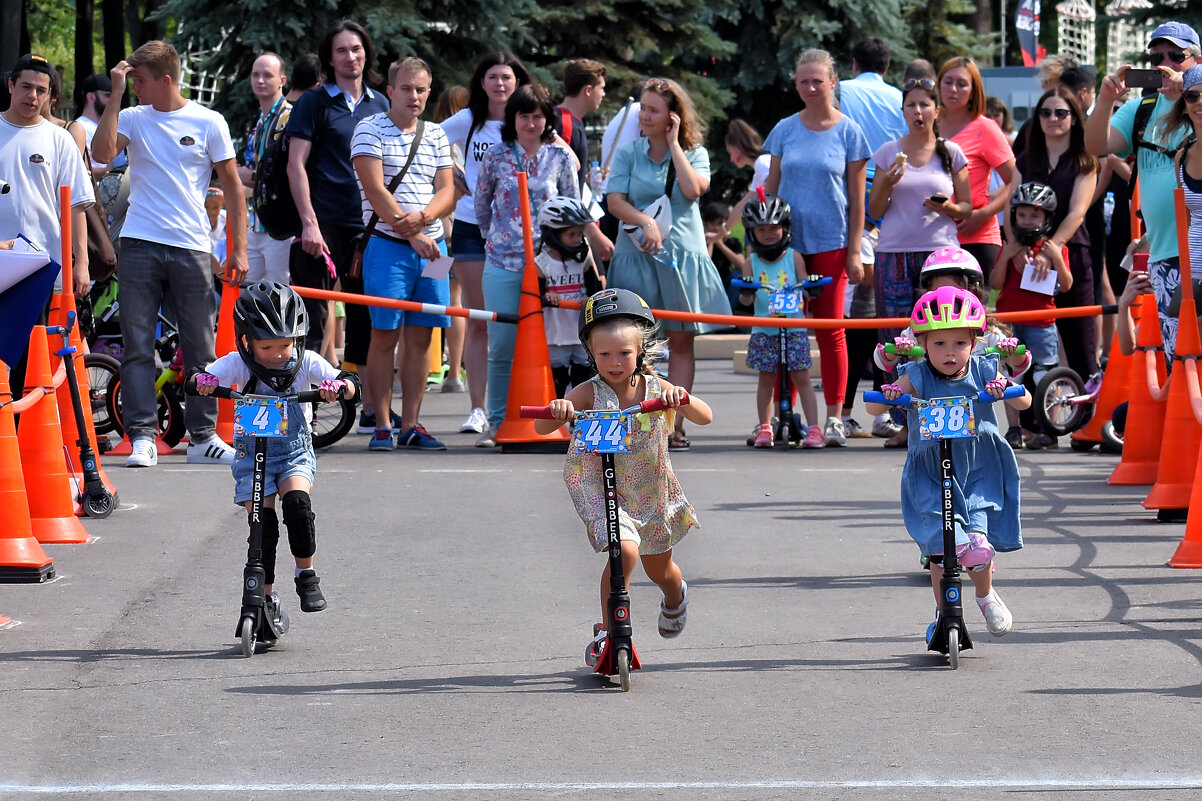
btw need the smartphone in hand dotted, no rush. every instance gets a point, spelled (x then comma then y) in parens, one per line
(939, 198)
(1142, 79)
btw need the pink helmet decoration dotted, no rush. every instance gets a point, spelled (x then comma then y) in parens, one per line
(951, 261)
(947, 308)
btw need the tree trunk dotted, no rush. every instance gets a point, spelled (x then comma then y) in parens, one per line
(112, 13)
(85, 15)
(983, 25)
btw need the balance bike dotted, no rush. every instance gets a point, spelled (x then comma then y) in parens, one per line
(946, 419)
(606, 432)
(782, 302)
(94, 497)
(262, 417)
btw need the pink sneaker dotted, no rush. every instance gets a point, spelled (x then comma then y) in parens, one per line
(977, 554)
(814, 438)
(763, 437)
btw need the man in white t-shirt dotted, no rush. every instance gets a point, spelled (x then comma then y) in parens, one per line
(96, 90)
(174, 146)
(407, 234)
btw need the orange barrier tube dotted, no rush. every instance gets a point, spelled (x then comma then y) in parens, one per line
(1158, 391)
(37, 393)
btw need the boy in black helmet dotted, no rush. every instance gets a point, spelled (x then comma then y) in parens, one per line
(269, 328)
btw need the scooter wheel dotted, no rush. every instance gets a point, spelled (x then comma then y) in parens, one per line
(248, 636)
(1112, 442)
(953, 647)
(624, 670)
(98, 504)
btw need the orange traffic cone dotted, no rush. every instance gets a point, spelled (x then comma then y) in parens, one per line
(43, 463)
(1116, 388)
(1145, 414)
(530, 380)
(1189, 551)
(21, 556)
(226, 344)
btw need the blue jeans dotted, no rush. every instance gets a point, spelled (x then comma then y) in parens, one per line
(151, 275)
(502, 291)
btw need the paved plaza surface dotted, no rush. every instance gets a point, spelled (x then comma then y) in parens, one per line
(461, 594)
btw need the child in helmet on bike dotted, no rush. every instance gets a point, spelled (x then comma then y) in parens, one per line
(772, 263)
(618, 332)
(948, 323)
(566, 271)
(269, 328)
(1032, 208)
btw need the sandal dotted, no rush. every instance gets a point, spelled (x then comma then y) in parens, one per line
(678, 441)
(671, 621)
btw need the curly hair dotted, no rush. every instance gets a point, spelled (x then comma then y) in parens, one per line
(692, 127)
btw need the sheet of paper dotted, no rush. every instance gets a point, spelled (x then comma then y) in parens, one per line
(1045, 287)
(438, 268)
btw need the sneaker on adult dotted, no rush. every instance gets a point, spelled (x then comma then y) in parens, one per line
(309, 589)
(763, 437)
(854, 430)
(418, 439)
(997, 615)
(1042, 442)
(835, 433)
(453, 385)
(210, 451)
(142, 453)
(884, 427)
(476, 422)
(381, 440)
(367, 422)
(814, 438)
(1014, 437)
(486, 440)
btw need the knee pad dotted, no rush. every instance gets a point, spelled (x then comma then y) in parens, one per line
(298, 517)
(977, 554)
(271, 538)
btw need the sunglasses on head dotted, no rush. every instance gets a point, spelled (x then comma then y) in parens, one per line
(919, 83)
(1177, 57)
(1058, 113)
(1192, 96)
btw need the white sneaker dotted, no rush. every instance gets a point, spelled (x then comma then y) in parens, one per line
(997, 616)
(476, 422)
(143, 453)
(883, 426)
(835, 433)
(210, 451)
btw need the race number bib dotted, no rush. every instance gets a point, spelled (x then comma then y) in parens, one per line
(601, 432)
(260, 417)
(784, 302)
(947, 418)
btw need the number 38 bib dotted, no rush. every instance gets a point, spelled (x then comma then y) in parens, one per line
(947, 418)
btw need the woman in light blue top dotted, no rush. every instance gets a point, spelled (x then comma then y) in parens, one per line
(669, 269)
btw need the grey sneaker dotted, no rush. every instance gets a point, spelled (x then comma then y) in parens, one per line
(835, 433)
(476, 422)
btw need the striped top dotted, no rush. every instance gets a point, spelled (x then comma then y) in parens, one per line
(1193, 202)
(376, 136)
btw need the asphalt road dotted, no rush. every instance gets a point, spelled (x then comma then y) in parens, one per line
(461, 594)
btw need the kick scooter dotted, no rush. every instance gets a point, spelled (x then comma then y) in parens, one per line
(946, 419)
(94, 497)
(261, 417)
(606, 432)
(781, 302)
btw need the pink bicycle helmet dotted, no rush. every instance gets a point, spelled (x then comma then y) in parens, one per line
(951, 261)
(946, 309)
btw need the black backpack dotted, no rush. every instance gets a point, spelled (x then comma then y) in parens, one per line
(272, 195)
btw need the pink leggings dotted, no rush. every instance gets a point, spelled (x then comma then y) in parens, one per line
(832, 343)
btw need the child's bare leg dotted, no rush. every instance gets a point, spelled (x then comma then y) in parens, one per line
(664, 572)
(763, 397)
(630, 558)
(982, 581)
(805, 394)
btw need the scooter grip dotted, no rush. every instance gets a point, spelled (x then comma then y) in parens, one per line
(904, 399)
(1012, 391)
(537, 412)
(219, 392)
(658, 405)
(308, 396)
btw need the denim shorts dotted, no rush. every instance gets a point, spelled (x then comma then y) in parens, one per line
(1042, 343)
(286, 457)
(466, 242)
(392, 269)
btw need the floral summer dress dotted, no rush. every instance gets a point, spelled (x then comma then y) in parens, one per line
(652, 509)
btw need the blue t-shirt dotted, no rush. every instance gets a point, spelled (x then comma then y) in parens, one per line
(779, 273)
(333, 185)
(813, 179)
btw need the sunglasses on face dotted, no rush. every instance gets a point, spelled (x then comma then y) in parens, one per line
(1192, 96)
(1177, 56)
(918, 83)
(1058, 113)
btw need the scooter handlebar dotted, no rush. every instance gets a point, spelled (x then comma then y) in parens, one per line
(917, 352)
(907, 399)
(308, 396)
(809, 283)
(646, 407)
(537, 412)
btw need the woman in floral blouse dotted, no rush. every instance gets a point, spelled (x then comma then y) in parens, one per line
(528, 144)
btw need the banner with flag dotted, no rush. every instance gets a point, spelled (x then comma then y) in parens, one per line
(1026, 25)
(27, 275)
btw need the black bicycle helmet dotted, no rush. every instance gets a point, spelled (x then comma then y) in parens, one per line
(768, 210)
(267, 310)
(609, 304)
(1040, 196)
(563, 212)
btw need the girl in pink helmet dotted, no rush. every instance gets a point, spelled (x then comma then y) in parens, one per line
(948, 323)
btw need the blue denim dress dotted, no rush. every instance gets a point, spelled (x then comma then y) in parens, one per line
(286, 456)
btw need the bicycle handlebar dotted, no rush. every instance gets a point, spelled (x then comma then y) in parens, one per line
(810, 282)
(907, 399)
(646, 407)
(307, 396)
(917, 352)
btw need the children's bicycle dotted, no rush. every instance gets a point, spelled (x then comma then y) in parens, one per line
(781, 302)
(1063, 402)
(606, 432)
(945, 419)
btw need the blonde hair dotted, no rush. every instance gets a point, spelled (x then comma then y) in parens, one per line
(817, 56)
(411, 64)
(692, 128)
(655, 350)
(159, 58)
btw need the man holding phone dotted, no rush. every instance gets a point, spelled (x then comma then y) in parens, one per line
(1172, 50)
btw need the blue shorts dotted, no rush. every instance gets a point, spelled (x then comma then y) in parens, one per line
(466, 242)
(392, 269)
(286, 457)
(1042, 343)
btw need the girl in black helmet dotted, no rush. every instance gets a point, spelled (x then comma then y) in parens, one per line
(618, 330)
(269, 328)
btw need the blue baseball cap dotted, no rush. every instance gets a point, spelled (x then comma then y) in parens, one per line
(1178, 33)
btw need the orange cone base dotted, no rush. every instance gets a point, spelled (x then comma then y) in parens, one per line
(519, 436)
(59, 530)
(1189, 554)
(4, 621)
(1168, 496)
(1134, 474)
(23, 561)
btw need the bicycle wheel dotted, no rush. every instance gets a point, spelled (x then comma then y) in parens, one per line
(332, 421)
(170, 413)
(1053, 407)
(101, 370)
